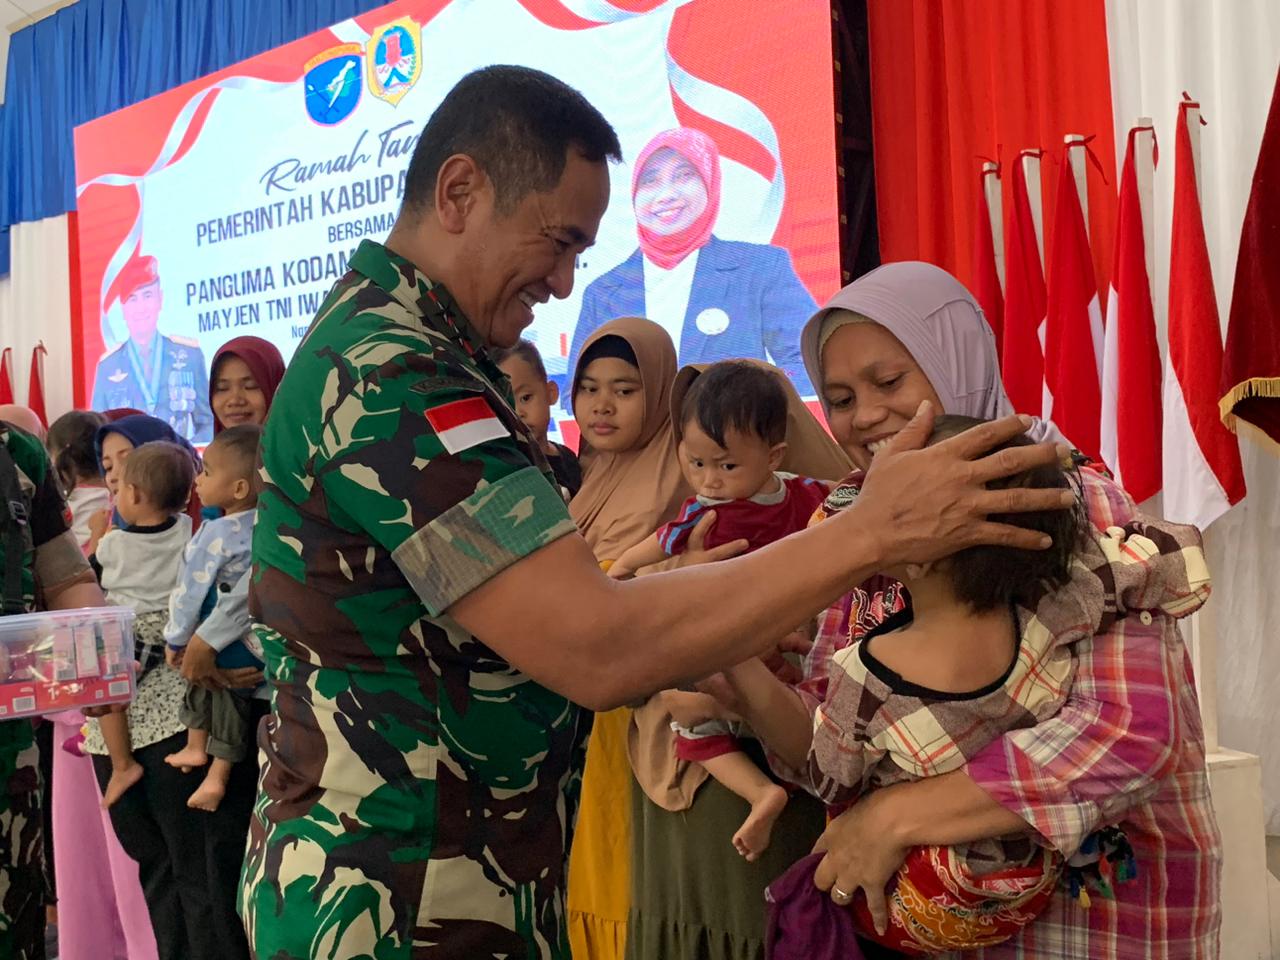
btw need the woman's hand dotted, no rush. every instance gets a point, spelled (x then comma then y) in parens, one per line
(199, 665)
(241, 678)
(697, 553)
(99, 525)
(726, 695)
(691, 709)
(862, 853)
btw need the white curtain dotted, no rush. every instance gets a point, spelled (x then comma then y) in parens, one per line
(1225, 55)
(35, 305)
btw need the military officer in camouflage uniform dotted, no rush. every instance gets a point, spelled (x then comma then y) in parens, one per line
(429, 616)
(34, 522)
(164, 376)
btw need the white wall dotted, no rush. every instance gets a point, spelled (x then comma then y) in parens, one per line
(35, 304)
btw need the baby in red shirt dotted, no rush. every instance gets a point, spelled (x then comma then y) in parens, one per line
(733, 426)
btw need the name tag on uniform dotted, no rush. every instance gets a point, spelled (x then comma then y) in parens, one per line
(464, 424)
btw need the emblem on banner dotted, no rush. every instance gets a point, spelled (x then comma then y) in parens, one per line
(394, 55)
(333, 81)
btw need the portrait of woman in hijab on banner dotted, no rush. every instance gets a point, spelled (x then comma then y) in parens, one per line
(718, 299)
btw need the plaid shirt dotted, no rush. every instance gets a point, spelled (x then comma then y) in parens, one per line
(1126, 749)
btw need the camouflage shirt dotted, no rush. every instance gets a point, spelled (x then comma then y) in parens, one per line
(50, 558)
(417, 790)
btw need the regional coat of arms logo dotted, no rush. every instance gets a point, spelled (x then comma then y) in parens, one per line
(333, 81)
(394, 57)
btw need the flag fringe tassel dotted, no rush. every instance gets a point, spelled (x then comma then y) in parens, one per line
(1268, 387)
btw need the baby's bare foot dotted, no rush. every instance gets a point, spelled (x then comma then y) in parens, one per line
(120, 782)
(187, 759)
(752, 838)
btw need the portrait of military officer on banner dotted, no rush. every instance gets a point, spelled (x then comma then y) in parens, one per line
(160, 374)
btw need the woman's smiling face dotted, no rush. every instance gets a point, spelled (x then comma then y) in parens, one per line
(670, 194)
(872, 387)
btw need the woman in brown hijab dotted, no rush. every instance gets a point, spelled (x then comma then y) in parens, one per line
(631, 484)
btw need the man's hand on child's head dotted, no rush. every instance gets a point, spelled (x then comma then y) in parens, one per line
(926, 504)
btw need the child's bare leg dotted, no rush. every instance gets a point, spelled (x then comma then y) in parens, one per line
(210, 793)
(125, 770)
(194, 754)
(737, 772)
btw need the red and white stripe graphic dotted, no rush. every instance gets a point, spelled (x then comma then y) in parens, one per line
(1022, 364)
(1073, 320)
(1202, 472)
(1131, 367)
(464, 424)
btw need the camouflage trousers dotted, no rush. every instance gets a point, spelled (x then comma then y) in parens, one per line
(21, 857)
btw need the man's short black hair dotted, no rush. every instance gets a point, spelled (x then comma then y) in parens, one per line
(523, 350)
(990, 577)
(518, 125)
(163, 472)
(736, 395)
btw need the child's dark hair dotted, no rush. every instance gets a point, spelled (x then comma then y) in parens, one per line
(990, 577)
(70, 446)
(241, 443)
(523, 350)
(737, 395)
(163, 472)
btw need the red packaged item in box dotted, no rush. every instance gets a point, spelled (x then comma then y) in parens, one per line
(65, 659)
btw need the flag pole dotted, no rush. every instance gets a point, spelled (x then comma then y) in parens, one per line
(991, 187)
(1074, 158)
(1030, 160)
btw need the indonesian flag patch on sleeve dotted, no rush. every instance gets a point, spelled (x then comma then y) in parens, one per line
(464, 424)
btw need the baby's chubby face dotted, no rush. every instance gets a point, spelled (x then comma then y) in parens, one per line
(739, 470)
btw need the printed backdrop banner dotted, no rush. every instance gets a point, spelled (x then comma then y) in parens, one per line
(229, 205)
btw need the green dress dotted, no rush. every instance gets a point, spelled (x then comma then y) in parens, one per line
(417, 790)
(693, 896)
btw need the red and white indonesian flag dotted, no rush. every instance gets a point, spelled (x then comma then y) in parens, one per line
(1131, 368)
(1251, 361)
(1022, 363)
(464, 424)
(986, 275)
(35, 385)
(6, 375)
(1202, 472)
(1073, 325)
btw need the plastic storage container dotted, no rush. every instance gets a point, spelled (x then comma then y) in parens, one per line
(65, 659)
